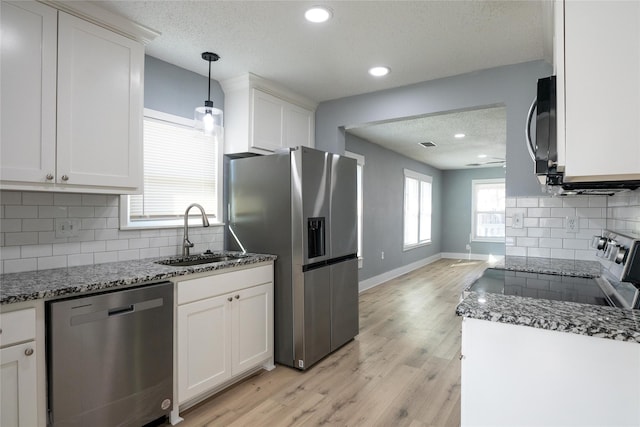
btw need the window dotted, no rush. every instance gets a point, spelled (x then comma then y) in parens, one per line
(360, 169)
(417, 209)
(181, 166)
(488, 218)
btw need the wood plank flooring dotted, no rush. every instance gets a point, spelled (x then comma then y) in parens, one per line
(403, 368)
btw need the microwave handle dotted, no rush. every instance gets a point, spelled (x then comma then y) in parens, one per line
(530, 145)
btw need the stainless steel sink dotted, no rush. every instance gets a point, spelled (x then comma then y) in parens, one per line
(199, 260)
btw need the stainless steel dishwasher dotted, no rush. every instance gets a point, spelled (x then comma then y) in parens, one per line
(110, 357)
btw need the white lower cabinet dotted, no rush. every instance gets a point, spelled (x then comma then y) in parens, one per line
(224, 329)
(518, 375)
(18, 369)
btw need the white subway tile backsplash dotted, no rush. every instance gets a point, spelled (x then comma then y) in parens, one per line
(81, 212)
(41, 224)
(510, 202)
(550, 202)
(538, 212)
(550, 243)
(19, 265)
(597, 201)
(590, 212)
(22, 238)
(575, 244)
(562, 212)
(34, 251)
(103, 257)
(79, 259)
(10, 225)
(19, 211)
(563, 253)
(516, 251)
(28, 241)
(551, 222)
(527, 202)
(539, 252)
(534, 231)
(575, 202)
(527, 242)
(29, 198)
(531, 222)
(67, 199)
(52, 262)
(10, 197)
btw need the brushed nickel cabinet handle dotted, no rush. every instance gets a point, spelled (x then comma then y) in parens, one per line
(49, 176)
(28, 352)
(229, 299)
(65, 178)
(237, 296)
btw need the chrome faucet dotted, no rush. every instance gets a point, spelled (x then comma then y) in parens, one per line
(186, 244)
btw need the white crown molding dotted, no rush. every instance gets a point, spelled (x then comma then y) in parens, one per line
(104, 18)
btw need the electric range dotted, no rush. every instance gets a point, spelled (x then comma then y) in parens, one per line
(617, 286)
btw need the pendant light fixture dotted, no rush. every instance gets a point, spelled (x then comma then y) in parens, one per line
(207, 117)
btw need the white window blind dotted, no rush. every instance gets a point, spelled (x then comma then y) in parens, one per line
(181, 166)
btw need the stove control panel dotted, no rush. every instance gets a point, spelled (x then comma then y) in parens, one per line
(620, 252)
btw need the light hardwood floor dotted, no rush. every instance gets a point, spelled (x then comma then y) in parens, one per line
(403, 368)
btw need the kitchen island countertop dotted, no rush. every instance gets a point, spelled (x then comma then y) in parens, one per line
(58, 282)
(584, 319)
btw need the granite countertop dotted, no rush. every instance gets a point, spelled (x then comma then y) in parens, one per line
(45, 284)
(584, 319)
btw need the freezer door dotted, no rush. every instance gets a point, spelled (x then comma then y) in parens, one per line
(343, 239)
(316, 340)
(344, 302)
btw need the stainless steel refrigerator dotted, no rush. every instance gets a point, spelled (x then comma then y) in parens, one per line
(300, 204)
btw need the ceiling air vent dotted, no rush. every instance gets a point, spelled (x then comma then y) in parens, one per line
(427, 144)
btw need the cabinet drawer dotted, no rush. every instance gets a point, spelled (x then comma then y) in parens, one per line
(218, 284)
(17, 326)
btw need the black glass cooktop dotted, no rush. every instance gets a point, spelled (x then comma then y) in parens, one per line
(540, 285)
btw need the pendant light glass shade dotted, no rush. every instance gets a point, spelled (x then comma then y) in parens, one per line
(207, 118)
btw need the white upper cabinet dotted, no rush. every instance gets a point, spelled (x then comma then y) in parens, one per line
(72, 103)
(598, 73)
(100, 106)
(261, 117)
(28, 75)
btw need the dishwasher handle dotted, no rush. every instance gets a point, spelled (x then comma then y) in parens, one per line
(120, 310)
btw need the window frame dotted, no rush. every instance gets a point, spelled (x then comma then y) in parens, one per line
(474, 184)
(360, 159)
(215, 218)
(420, 177)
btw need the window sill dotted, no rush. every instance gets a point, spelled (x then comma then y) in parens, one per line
(417, 245)
(150, 225)
(499, 240)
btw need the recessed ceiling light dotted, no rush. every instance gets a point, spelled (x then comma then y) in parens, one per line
(459, 135)
(318, 14)
(482, 156)
(379, 71)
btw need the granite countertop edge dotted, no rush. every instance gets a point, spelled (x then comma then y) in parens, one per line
(583, 319)
(71, 281)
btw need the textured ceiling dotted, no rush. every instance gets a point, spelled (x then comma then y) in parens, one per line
(485, 134)
(419, 41)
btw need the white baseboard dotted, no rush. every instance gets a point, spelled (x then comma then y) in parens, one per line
(392, 274)
(466, 255)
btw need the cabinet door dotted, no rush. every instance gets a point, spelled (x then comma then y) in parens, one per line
(100, 75)
(602, 89)
(252, 327)
(267, 121)
(204, 342)
(28, 101)
(18, 386)
(298, 127)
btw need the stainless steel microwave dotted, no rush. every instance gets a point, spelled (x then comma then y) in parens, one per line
(544, 152)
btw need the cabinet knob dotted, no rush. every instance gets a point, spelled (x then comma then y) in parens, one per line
(229, 299)
(28, 352)
(237, 296)
(65, 178)
(49, 176)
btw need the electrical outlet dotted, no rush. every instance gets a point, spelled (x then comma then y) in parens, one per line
(382, 255)
(67, 228)
(517, 220)
(572, 224)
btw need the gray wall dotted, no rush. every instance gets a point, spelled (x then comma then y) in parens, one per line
(456, 208)
(177, 91)
(383, 194)
(513, 85)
